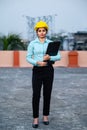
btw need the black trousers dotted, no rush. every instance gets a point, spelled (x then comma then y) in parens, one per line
(42, 76)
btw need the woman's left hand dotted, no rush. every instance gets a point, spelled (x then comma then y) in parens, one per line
(46, 57)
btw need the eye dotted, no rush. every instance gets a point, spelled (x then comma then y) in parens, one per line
(39, 30)
(43, 30)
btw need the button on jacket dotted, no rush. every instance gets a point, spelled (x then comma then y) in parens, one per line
(36, 51)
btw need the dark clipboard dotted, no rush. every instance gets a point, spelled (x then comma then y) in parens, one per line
(52, 49)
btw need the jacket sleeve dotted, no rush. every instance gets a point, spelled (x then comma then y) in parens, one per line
(55, 58)
(30, 55)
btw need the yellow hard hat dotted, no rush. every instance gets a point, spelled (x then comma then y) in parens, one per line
(41, 24)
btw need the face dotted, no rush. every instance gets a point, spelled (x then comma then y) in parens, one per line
(41, 32)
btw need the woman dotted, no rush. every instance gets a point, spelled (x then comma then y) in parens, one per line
(43, 73)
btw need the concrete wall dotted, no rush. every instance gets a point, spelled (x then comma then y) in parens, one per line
(7, 59)
(82, 58)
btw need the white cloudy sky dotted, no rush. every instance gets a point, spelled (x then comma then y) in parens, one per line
(71, 14)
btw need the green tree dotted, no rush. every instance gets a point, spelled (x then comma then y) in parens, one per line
(13, 42)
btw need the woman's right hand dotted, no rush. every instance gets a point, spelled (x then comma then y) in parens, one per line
(41, 63)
